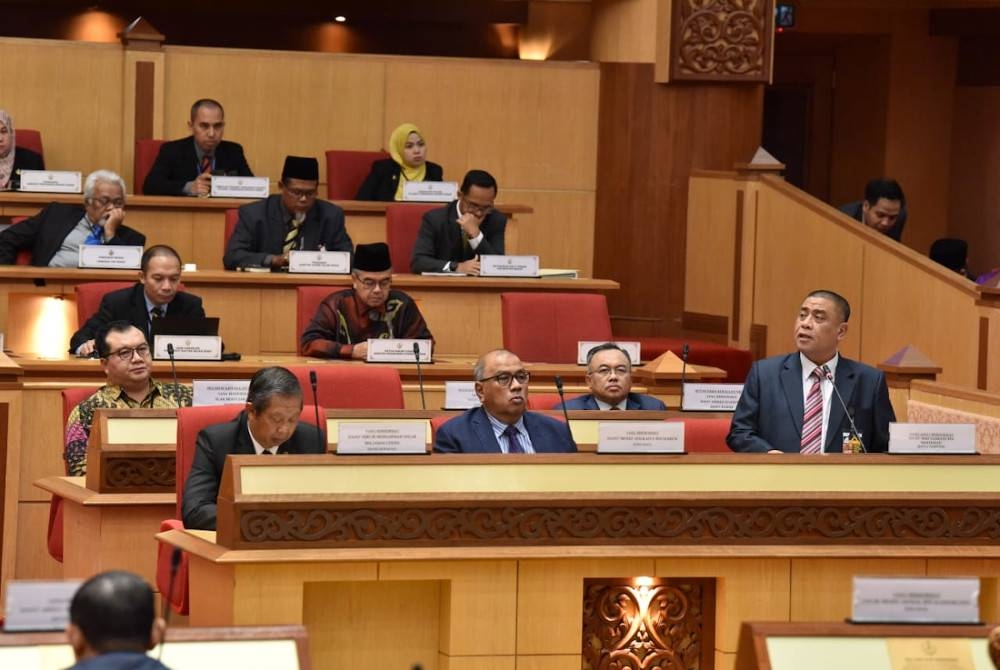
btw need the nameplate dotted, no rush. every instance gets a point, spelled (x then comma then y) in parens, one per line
(240, 187)
(916, 600)
(460, 395)
(711, 397)
(932, 438)
(640, 437)
(631, 348)
(188, 347)
(383, 437)
(508, 266)
(430, 191)
(931, 653)
(110, 257)
(38, 605)
(50, 181)
(219, 391)
(398, 351)
(320, 262)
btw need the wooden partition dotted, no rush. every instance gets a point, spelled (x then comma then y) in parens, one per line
(774, 244)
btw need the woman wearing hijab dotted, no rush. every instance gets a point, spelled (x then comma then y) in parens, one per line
(408, 163)
(13, 157)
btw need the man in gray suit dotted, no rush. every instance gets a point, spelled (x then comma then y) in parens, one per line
(609, 378)
(787, 403)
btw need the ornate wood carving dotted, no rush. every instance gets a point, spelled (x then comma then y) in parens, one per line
(721, 40)
(660, 624)
(139, 474)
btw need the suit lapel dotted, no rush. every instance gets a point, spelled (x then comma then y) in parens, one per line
(137, 310)
(484, 431)
(791, 385)
(590, 402)
(632, 402)
(845, 381)
(243, 445)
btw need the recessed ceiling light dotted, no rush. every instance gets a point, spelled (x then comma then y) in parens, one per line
(340, 19)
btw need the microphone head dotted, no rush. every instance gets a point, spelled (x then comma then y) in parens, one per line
(827, 372)
(685, 350)
(170, 348)
(312, 377)
(416, 349)
(559, 384)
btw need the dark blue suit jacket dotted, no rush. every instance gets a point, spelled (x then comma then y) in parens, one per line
(472, 433)
(634, 401)
(769, 413)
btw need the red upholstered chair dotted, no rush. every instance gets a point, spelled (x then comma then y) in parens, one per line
(307, 300)
(545, 327)
(541, 401)
(402, 223)
(232, 218)
(145, 155)
(346, 171)
(24, 255)
(71, 397)
(352, 386)
(30, 139)
(89, 296)
(736, 362)
(437, 422)
(190, 422)
(705, 435)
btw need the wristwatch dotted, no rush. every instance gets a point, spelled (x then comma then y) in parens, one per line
(452, 266)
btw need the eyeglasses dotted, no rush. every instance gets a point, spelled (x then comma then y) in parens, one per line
(370, 284)
(605, 371)
(105, 201)
(127, 353)
(475, 207)
(505, 378)
(300, 194)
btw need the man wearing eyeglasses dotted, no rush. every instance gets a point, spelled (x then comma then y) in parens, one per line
(55, 234)
(294, 220)
(370, 310)
(609, 378)
(502, 424)
(127, 362)
(452, 238)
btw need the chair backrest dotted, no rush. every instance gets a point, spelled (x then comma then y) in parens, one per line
(232, 218)
(89, 295)
(346, 171)
(545, 327)
(190, 422)
(352, 386)
(707, 435)
(540, 401)
(30, 139)
(145, 155)
(24, 255)
(437, 422)
(307, 300)
(402, 223)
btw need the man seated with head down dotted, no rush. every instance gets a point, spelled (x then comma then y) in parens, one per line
(371, 309)
(609, 378)
(502, 424)
(127, 362)
(788, 402)
(268, 425)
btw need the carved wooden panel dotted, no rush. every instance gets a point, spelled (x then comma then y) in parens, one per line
(646, 624)
(139, 473)
(721, 40)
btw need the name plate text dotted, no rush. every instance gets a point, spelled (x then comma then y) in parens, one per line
(508, 266)
(240, 187)
(110, 256)
(640, 437)
(383, 437)
(916, 600)
(320, 262)
(219, 391)
(430, 191)
(460, 395)
(398, 351)
(711, 397)
(189, 347)
(38, 605)
(932, 438)
(50, 181)
(631, 348)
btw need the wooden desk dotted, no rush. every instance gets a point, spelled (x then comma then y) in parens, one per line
(195, 227)
(258, 309)
(487, 556)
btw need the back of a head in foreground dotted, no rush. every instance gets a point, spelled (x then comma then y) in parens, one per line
(114, 611)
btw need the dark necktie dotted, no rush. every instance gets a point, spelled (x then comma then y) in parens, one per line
(291, 235)
(812, 419)
(157, 312)
(206, 163)
(513, 443)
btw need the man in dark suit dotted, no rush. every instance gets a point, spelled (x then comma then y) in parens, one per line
(186, 166)
(609, 378)
(154, 297)
(787, 403)
(502, 424)
(55, 234)
(883, 208)
(269, 229)
(452, 238)
(269, 425)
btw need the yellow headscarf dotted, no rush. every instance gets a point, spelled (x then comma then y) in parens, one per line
(397, 143)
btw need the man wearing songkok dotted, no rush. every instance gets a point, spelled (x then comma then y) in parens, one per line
(609, 378)
(155, 296)
(55, 234)
(268, 425)
(788, 402)
(269, 229)
(452, 238)
(371, 309)
(502, 424)
(127, 362)
(186, 166)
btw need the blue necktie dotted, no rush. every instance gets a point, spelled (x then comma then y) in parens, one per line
(513, 443)
(96, 235)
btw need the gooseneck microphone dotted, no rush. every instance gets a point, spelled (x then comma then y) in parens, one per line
(420, 374)
(684, 364)
(175, 565)
(850, 415)
(314, 383)
(562, 403)
(173, 369)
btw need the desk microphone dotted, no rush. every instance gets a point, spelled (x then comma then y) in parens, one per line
(562, 403)
(175, 565)
(684, 364)
(173, 370)
(319, 426)
(420, 374)
(850, 415)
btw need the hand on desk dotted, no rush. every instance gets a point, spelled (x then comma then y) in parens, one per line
(279, 261)
(469, 267)
(360, 351)
(85, 349)
(202, 185)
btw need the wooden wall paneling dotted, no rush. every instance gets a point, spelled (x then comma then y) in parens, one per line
(142, 104)
(41, 457)
(955, 397)
(556, 30)
(549, 662)
(988, 572)
(651, 138)
(279, 103)
(624, 31)
(711, 238)
(446, 662)
(277, 314)
(821, 587)
(560, 230)
(458, 336)
(72, 93)
(32, 559)
(243, 315)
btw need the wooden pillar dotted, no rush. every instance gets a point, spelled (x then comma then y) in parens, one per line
(142, 99)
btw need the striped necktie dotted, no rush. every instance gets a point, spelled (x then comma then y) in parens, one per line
(292, 235)
(812, 419)
(513, 442)
(206, 163)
